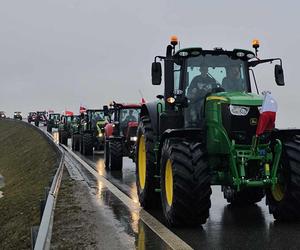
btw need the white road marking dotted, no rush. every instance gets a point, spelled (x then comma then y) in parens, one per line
(163, 232)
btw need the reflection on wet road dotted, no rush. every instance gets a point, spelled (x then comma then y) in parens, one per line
(228, 227)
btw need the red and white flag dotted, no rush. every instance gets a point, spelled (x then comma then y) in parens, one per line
(69, 113)
(267, 116)
(82, 109)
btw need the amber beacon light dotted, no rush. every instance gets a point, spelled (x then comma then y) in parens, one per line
(174, 40)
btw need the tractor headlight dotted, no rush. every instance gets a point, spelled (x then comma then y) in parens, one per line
(133, 138)
(239, 110)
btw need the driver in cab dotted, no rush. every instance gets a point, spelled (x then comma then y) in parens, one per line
(200, 85)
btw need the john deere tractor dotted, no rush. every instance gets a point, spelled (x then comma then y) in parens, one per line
(53, 121)
(64, 128)
(203, 131)
(120, 133)
(91, 131)
(75, 132)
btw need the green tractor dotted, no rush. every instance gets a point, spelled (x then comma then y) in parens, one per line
(53, 121)
(75, 132)
(92, 131)
(197, 135)
(64, 129)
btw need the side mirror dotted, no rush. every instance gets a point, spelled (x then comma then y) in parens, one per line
(279, 77)
(105, 110)
(156, 73)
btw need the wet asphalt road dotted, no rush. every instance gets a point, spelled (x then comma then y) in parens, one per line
(228, 227)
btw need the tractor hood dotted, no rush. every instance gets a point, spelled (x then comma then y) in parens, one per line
(237, 98)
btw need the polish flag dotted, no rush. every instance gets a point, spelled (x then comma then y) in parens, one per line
(267, 116)
(82, 109)
(68, 113)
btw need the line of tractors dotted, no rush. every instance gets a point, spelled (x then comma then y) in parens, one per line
(201, 132)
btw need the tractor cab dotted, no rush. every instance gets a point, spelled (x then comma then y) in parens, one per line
(194, 74)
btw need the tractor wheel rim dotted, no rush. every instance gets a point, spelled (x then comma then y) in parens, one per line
(278, 192)
(142, 162)
(169, 182)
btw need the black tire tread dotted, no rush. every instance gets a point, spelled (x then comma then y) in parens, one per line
(87, 144)
(148, 198)
(115, 155)
(288, 209)
(191, 184)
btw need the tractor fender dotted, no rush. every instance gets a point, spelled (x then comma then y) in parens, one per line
(150, 109)
(285, 134)
(108, 130)
(190, 134)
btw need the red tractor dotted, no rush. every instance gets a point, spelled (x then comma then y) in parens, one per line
(120, 133)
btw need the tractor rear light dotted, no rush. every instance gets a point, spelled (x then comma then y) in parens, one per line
(239, 110)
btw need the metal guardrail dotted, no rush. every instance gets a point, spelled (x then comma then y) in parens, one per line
(43, 238)
(45, 230)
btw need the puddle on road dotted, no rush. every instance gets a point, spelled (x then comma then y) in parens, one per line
(130, 227)
(1, 185)
(55, 136)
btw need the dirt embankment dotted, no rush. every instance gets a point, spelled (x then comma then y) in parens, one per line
(27, 161)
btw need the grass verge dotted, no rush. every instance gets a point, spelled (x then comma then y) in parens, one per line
(27, 161)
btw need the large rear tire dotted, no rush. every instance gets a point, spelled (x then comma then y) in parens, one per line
(146, 169)
(87, 144)
(185, 183)
(284, 200)
(115, 155)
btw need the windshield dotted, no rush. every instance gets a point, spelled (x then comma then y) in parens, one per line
(54, 116)
(129, 115)
(97, 116)
(208, 73)
(216, 71)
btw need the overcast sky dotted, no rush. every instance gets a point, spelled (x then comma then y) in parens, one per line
(56, 54)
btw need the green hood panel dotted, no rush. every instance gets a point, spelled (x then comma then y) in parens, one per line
(237, 98)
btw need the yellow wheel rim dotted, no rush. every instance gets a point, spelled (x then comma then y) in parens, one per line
(142, 162)
(278, 192)
(169, 182)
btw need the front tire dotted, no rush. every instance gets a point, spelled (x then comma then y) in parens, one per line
(76, 142)
(64, 138)
(185, 184)
(106, 154)
(115, 155)
(87, 144)
(49, 128)
(146, 168)
(284, 200)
